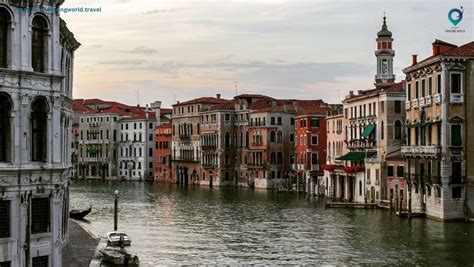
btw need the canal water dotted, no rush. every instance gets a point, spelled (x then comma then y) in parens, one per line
(169, 224)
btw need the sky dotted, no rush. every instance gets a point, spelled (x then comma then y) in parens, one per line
(140, 51)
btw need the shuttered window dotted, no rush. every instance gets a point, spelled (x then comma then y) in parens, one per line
(40, 215)
(4, 218)
(456, 135)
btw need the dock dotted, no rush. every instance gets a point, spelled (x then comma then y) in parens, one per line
(351, 205)
(80, 248)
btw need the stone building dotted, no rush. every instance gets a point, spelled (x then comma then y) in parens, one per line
(105, 132)
(439, 146)
(373, 124)
(36, 66)
(186, 131)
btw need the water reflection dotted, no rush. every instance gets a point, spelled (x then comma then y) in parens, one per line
(184, 225)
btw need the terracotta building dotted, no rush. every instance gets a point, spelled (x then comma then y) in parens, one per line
(311, 146)
(163, 154)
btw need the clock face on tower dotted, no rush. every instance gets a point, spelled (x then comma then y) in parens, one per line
(384, 66)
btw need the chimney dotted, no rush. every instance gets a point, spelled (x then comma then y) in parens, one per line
(218, 96)
(285, 108)
(414, 60)
(435, 49)
(157, 107)
(146, 111)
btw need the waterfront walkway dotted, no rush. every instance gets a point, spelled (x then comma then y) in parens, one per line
(81, 247)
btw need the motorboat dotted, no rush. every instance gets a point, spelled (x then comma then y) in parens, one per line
(118, 239)
(79, 214)
(119, 256)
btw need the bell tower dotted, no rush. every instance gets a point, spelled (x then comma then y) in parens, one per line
(384, 54)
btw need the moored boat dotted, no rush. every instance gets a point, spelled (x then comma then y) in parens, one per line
(119, 256)
(79, 214)
(118, 239)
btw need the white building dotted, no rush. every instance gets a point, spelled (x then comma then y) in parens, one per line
(36, 66)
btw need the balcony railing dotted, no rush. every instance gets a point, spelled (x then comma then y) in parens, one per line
(414, 103)
(189, 159)
(437, 98)
(457, 98)
(421, 102)
(428, 100)
(407, 105)
(184, 136)
(433, 151)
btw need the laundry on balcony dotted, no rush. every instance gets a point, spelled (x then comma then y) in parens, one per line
(357, 155)
(368, 130)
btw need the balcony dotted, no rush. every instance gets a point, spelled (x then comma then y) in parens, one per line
(437, 98)
(208, 147)
(209, 165)
(428, 100)
(373, 160)
(407, 105)
(185, 159)
(315, 167)
(258, 165)
(185, 137)
(457, 98)
(421, 102)
(427, 151)
(414, 103)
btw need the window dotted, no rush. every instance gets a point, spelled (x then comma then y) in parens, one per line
(409, 91)
(439, 83)
(38, 128)
(400, 170)
(279, 137)
(455, 83)
(38, 33)
(456, 139)
(40, 261)
(430, 86)
(279, 120)
(4, 218)
(280, 158)
(272, 136)
(390, 171)
(456, 175)
(398, 106)
(314, 158)
(423, 88)
(457, 192)
(4, 27)
(272, 158)
(39, 215)
(314, 139)
(5, 142)
(292, 137)
(150, 152)
(227, 140)
(272, 121)
(398, 130)
(292, 121)
(227, 117)
(150, 125)
(382, 106)
(381, 130)
(417, 93)
(314, 123)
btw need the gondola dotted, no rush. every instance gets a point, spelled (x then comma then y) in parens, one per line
(79, 214)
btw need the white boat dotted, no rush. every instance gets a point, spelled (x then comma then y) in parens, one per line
(118, 239)
(119, 256)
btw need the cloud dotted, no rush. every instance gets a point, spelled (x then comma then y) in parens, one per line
(122, 62)
(142, 50)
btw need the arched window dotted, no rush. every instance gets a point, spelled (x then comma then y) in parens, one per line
(246, 139)
(227, 140)
(272, 158)
(360, 188)
(279, 137)
(38, 39)
(280, 158)
(4, 25)
(5, 142)
(38, 129)
(272, 136)
(398, 130)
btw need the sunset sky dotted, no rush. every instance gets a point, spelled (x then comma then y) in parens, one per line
(179, 50)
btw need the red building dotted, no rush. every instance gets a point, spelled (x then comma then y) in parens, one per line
(163, 154)
(310, 146)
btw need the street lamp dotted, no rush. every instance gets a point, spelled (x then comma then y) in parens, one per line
(116, 193)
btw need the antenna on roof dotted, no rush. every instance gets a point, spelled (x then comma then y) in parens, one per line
(138, 98)
(235, 88)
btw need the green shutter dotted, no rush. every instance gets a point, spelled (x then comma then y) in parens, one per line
(314, 123)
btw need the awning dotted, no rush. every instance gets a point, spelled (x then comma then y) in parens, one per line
(368, 130)
(356, 156)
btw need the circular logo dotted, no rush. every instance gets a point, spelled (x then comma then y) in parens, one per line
(455, 16)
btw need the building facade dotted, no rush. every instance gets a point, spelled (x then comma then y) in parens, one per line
(111, 136)
(438, 155)
(373, 124)
(36, 65)
(163, 154)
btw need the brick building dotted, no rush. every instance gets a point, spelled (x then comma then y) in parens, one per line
(163, 154)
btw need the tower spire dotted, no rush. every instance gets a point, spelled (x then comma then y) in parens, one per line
(385, 55)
